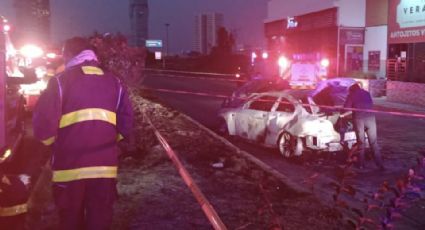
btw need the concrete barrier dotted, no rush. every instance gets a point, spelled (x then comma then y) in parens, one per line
(406, 92)
(376, 87)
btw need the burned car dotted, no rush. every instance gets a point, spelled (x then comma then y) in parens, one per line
(283, 120)
(259, 85)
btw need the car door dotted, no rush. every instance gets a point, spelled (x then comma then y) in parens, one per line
(253, 120)
(280, 117)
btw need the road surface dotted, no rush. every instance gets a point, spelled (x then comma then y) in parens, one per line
(401, 139)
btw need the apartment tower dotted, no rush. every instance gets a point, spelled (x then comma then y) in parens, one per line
(139, 14)
(206, 27)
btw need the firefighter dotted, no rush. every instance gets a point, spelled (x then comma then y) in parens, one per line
(82, 115)
(13, 202)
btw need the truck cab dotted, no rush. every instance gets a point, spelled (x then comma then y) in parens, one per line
(300, 70)
(12, 101)
(307, 69)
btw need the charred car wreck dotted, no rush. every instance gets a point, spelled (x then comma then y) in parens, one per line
(293, 121)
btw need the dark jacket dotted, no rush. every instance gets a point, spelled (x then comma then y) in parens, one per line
(81, 114)
(361, 101)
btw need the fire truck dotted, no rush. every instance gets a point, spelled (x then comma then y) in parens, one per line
(12, 101)
(300, 70)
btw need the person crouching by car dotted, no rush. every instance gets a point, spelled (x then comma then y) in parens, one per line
(360, 100)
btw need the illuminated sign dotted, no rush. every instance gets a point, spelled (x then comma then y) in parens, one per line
(292, 23)
(158, 55)
(154, 43)
(411, 13)
(406, 21)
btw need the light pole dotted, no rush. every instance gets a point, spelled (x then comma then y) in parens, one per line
(166, 44)
(166, 32)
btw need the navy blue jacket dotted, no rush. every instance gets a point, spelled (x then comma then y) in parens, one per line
(82, 114)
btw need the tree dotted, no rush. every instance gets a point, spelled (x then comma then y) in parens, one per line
(225, 43)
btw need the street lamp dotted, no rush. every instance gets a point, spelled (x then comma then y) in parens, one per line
(166, 37)
(166, 45)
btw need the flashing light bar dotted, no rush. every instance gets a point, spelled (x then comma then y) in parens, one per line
(31, 51)
(283, 62)
(324, 62)
(51, 55)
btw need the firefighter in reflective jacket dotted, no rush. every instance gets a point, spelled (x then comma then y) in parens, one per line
(13, 202)
(82, 114)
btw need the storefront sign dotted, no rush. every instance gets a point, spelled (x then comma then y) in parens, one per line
(352, 36)
(292, 23)
(406, 21)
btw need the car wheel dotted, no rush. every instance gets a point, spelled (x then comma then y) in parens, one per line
(285, 146)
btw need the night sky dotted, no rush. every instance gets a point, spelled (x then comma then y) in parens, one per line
(244, 16)
(82, 17)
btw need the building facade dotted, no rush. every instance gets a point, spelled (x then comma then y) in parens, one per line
(381, 38)
(375, 47)
(139, 14)
(206, 27)
(329, 28)
(32, 21)
(406, 41)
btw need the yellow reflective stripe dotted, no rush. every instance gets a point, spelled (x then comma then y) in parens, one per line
(5, 180)
(88, 115)
(92, 70)
(6, 154)
(85, 173)
(120, 137)
(14, 210)
(48, 141)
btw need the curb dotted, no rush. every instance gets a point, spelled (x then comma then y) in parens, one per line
(394, 109)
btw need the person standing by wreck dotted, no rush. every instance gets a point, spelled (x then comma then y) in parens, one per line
(82, 114)
(360, 100)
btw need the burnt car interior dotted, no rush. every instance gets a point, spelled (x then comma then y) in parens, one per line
(264, 103)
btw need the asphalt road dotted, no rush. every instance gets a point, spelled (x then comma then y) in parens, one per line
(200, 107)
(401, 140)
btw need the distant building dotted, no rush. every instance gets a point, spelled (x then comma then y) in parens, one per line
(139, 14)
(206, 26)
(32, 21)
(363, 38)
(329, 28)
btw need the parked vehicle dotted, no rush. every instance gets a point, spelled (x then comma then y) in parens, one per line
(300, 70)
(12, 101)
(283, 120)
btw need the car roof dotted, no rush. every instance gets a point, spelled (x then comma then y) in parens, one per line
(291, 93)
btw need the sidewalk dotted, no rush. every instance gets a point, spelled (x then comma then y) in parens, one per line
(381, 103)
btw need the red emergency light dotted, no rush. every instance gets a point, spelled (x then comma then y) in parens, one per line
(324, 62)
